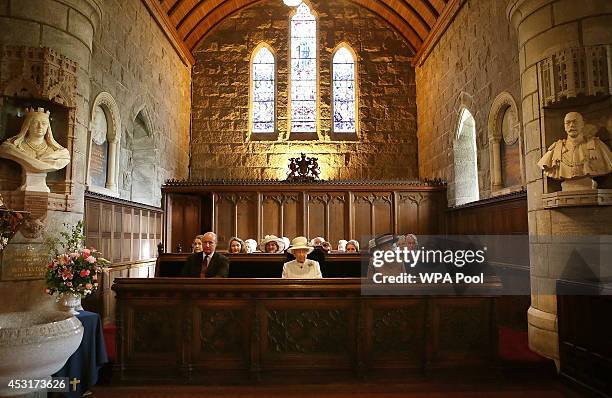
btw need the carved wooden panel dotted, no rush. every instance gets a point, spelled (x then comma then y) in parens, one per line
(225, 218)
(363, 228)
(292, 216)
(383, 213)
(307, 331)
(271, 214)
(241, 329)
(462, 330)
(185, 222)
(155, 330)
(317, 214)
(121, 230)
(332, 210)
(337, 219)
(247, 216)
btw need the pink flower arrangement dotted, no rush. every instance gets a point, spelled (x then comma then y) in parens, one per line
(74, 272)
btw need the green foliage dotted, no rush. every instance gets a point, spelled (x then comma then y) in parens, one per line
(70, 240)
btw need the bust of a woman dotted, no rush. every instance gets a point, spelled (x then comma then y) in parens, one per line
(34, 148)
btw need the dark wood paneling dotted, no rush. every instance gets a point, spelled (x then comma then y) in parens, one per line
(585, 330)
(497, 216)
(232, 330)
(185, 223)
(332, 210)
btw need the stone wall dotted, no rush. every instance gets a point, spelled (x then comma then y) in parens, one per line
(386, 146)
(136, 64)
(119, 49)
(475, 59)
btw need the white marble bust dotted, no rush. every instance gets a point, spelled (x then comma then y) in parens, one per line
(580, 154)
(34, 148)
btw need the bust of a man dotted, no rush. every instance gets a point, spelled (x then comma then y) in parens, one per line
(34, 148)
(581, 154)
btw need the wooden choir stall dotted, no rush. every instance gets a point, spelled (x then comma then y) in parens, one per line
(255, 326)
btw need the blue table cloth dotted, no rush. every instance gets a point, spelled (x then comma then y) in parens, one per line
(87, 360)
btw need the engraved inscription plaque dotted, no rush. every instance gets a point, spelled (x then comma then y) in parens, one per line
(22, 261)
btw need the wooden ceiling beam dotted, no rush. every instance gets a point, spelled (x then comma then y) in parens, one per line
(162, 20)
(413, 19)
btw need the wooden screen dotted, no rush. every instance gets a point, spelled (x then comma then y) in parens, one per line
(335, 211)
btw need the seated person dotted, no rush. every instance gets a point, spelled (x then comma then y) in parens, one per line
(236, 245)
(272, 244)
(197, 245)
(352, 246)
(301, 267)
(322, 243)
(207, 263)
(342, 245)
(384, 242)
(251, 246)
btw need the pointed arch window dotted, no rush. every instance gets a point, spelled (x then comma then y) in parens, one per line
(263, 97)
(344, 91)
(466, 160)
(303, 71)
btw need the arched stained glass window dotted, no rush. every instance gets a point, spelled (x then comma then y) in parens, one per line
(344, 93)
(263, 96)
(303, 71)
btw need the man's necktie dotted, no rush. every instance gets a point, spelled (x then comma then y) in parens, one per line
(204, 266)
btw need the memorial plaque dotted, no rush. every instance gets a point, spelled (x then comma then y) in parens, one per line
(98, 161)
(24, 261)
(98, 164)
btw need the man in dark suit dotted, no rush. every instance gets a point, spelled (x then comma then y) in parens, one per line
(207, 263)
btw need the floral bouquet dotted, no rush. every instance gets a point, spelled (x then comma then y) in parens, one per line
(76, 269)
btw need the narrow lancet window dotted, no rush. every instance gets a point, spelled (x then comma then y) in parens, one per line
(344, 91)
(303, 71)
(264, 92)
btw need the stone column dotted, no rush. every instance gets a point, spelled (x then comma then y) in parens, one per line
(546, 29)
(68, 28)
(112, 163)
(496, 177)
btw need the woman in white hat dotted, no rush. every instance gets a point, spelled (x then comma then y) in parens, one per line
(301, 267)
(272, 244)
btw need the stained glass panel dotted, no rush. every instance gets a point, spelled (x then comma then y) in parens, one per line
(303, 71)
(263, 95)
(344, 91)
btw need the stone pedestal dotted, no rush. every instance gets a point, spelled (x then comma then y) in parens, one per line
(34, 182)
(556, 35)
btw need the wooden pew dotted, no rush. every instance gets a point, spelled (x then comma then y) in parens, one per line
(225, 330)
(263, 265)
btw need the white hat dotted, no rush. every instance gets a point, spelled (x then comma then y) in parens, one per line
(272, 238)
(300, 242)
(251, 245)
(342, 245)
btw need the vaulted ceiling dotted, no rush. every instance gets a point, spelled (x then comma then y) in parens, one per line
(194, 19)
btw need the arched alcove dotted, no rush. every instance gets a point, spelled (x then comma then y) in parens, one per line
(465, 160)
(103, 146)
(505, 146)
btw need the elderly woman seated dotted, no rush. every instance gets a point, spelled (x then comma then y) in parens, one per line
(301, 267)
(236, 246)
(272, 244)
(352, 246)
